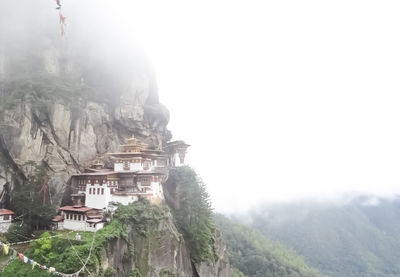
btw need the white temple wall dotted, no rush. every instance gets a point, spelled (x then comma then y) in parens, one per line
(58, 225)
(157, 189)
(95, 198)
(81, 225)
(136, 167)
(78, 225)
(4, 226)
(124, 200)
(118, 167)
(98, 226)
(177, 160)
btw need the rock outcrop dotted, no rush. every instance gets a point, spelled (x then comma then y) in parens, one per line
(67, 102)
(162, 253)
(154, 255)
(64, 112)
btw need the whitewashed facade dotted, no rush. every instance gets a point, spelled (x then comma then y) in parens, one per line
(81, 218)
(177, 152)
(137, 171)
(6, 217)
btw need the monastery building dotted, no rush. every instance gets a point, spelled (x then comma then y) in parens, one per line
(137, 171)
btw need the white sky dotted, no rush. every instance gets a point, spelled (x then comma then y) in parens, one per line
(279, 99)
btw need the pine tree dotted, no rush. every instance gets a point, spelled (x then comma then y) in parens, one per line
(194, 213)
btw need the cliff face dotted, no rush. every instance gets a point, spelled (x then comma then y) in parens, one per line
(153, 255)
(220, 265)
(65, 139)
(62, 112)
(161, 253)
(65, 102)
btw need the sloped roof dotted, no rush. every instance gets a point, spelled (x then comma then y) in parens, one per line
(58, 218)
(79, 209)
(6, 212)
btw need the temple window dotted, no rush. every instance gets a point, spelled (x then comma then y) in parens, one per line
(102, 191)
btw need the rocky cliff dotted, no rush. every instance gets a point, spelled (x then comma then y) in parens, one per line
(64, 104)
(162, 253)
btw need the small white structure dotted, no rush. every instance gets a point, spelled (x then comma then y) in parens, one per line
(82, 218)
(58, 223)
(177, 152)
(5, 220)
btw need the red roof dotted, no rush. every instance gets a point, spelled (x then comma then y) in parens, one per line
(6, 212)
(80, 209)
(58, 218)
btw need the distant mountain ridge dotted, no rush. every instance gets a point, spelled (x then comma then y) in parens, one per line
(253, 255)
(359, 238)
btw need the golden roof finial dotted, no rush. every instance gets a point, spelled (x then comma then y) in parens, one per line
(131, 140)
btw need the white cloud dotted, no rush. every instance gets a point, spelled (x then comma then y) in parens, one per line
(279, 99)
(283, 99)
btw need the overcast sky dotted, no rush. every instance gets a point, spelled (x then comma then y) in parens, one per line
(279, 99)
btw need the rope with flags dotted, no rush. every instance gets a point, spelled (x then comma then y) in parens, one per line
(62, 18)
(32, 240)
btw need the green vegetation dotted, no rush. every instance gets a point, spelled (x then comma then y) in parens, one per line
(352, 240)
(18, 232)
(42, 92)
(253, 255)
(141, 217)
(193, 214)
(28, 200)
(236, 272)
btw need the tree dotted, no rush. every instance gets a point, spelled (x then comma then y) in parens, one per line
(27, 200)
(193, 214)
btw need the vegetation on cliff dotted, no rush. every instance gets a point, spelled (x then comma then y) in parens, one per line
(193, 213)
(31, 201)
(255, 256)
(62, 252)
(40, 93)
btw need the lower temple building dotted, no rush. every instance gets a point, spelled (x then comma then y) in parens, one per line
(6, 217)
(137, 171)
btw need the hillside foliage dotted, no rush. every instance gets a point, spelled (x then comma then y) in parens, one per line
(60, 252)
(253, 255)
(359, 238)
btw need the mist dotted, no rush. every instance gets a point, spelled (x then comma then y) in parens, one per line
(280, 101)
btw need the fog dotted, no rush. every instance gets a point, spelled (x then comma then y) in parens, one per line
(280, 100)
